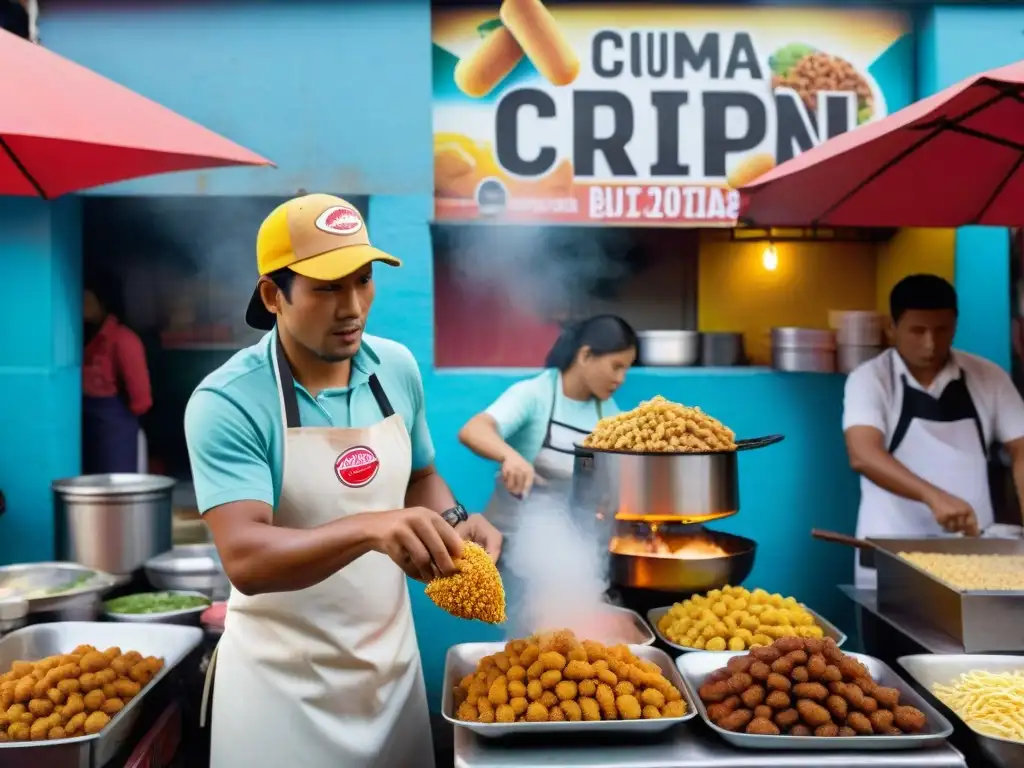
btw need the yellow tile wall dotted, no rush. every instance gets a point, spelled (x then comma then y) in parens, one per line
(736, 292)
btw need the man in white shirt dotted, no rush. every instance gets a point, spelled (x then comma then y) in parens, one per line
(920, 421)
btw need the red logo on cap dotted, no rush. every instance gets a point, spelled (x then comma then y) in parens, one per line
(339, 220)
(357, 466)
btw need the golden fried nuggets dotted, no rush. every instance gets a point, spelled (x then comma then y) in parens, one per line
(554, 677)
(661, 426)
(70, 695)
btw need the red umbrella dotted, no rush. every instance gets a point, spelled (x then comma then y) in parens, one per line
(64, 128)
(953, 159)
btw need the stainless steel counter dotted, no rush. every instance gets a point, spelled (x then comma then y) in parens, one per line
(688, 746)
(928, 637)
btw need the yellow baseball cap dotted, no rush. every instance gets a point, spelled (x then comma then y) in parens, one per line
(319, 236)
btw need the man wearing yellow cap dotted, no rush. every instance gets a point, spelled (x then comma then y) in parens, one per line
(313, 466)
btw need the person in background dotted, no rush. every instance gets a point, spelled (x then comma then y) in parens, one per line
(115, 384)
(919, 421)
(531, 428)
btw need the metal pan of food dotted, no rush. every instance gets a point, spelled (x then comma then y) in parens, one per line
(681, 563)
(463, 660)
(993, 699)
(696, 667)
(50, 586)
(655, 616)
(171, 607)
(39, 641)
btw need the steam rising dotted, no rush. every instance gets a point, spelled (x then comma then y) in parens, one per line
(552, 270)
(560, 571)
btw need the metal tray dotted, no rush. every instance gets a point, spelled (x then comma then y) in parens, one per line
(462, 659)
(929, 669)
(38, 641)
(32, 580)
(188, 616)
(643, 636)
(982, 621)
(695, 667)
(654, 616)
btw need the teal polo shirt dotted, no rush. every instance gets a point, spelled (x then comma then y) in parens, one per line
(523, 411)
(235, 432)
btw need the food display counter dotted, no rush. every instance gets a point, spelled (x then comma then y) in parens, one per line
(687, 746)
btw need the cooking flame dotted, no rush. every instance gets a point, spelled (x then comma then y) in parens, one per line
(699, 547)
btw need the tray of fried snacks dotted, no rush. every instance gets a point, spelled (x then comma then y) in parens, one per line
(806, 694)
(985, 692)
(554, 682)
(72, 689)
(736, 619)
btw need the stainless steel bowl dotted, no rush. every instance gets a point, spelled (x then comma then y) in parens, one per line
(187, 616)
(668, 348)
(67, 591)
(190, 568)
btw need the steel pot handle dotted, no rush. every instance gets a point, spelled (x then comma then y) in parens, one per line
(758, 442)
(581, 453)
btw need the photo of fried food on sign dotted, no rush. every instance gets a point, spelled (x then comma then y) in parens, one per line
(624, 114)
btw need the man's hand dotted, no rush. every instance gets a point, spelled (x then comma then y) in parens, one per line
(418, 540)
(952, 513)
(517, 475)
(478, 530)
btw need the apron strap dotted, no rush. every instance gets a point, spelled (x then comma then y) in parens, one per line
(382, 399)
(286, 386)
(290, 401)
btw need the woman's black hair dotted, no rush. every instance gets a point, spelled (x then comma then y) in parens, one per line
(603, 334)
(106, 287)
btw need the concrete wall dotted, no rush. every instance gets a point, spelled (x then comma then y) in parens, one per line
(338, 94)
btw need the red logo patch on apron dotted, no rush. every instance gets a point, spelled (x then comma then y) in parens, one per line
(357, 466)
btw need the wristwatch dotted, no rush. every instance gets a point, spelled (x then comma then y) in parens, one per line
(455, 515)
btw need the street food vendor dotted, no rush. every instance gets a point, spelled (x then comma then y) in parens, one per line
(531, 428)
(313, 466)
(919, 421)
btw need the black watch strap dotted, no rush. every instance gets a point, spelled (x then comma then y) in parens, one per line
(455, 515)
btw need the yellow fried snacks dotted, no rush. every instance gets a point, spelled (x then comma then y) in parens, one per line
(553, 677)
(475, 592)
(659, 425)
(972, 572)
(733, 619)
(76, 694)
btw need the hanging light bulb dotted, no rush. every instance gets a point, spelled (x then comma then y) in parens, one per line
(770, 258)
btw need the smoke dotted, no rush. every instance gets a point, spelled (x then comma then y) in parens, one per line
(560, 572)
(552, 270)
(183, 262)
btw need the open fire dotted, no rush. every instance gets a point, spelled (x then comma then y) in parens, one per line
(693, 547)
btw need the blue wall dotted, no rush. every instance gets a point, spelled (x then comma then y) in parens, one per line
(338, 94)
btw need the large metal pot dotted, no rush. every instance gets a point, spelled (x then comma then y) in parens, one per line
(113, 523)
(656, 487)
(668, 348)
(687, 575)
(807, 350)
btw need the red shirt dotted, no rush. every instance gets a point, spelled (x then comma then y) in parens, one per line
(114, 364)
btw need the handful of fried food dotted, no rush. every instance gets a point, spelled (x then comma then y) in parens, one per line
(661, 426)
(475, 592)
(554, 677)
(77, 694)
(804, 687)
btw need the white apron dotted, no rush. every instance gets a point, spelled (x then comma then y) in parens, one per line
(940, 440)
(329, 676)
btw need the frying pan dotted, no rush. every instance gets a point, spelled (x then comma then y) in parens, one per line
(682, 575)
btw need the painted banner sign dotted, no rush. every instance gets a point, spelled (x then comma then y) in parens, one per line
(645, 114)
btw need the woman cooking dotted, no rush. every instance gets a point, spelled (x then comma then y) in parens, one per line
(531, 429)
